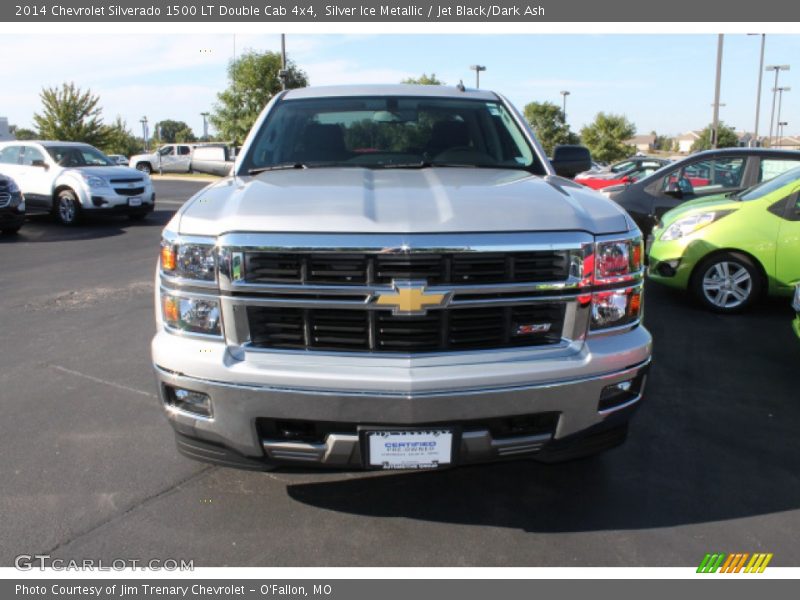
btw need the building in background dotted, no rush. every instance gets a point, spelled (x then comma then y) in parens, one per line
(5, 134)
(644, 143)
(686, 140)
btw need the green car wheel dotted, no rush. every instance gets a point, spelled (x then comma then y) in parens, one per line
(727, 282)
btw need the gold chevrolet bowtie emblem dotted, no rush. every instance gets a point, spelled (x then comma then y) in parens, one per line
(409, 298)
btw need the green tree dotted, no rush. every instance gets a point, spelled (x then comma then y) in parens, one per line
(70, 115)
(120, 140)
(606, 136)
(547, 121)
(171, 132)
(424, 79)
(726, 135)
(21, 133)
(253, 82)
(663, 142)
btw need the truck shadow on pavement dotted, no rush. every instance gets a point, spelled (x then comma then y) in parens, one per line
(715, 439)
(41, 228)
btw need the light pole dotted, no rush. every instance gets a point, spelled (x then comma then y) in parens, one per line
(777, 69)
(715, 120)
(564, 94)
(780, 91)
(477, 69)
(283, 73)
(205, 125)
(781, 130)
(754, 141)
(143, 121)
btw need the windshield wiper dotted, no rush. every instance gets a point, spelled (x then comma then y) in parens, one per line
(424, 164)
(279, 167)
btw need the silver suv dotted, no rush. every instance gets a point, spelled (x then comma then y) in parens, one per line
(69, 179)
(396, 277)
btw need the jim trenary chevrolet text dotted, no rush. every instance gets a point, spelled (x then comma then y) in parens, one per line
(398, 277)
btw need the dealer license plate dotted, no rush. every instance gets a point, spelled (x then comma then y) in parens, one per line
(412, 449)
(134, 201)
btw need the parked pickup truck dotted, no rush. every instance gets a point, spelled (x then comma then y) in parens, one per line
(169, 158)
(396, 277)
(216, 159)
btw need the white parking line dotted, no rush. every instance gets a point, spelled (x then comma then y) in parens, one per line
(105, 381)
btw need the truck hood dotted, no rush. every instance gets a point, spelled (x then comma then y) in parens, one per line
(430, 200)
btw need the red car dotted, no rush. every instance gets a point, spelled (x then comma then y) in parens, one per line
(620, 173)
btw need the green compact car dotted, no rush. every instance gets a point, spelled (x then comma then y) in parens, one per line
(728, 250)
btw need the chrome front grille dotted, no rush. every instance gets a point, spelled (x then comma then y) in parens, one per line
(443, 330)
(400, 294)
(5, 199)
(345, 268)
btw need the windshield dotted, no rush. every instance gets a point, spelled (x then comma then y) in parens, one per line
(767, 187)
(387, 132)
(78, 156)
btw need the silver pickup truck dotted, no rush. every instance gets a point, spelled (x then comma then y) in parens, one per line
(396, 277)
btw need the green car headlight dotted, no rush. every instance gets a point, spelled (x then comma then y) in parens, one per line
(688, 225)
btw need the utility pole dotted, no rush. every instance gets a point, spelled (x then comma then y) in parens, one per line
(754, 141)
(564, 94)
(143, 121)
(715, 121)
(777, 69)
(283, 73)
(477, 69)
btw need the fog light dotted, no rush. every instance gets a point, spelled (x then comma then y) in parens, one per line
(189, 401)
(617, 394)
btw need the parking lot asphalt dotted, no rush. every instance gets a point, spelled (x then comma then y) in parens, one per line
(89, 468)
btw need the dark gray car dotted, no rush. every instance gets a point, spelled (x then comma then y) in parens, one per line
(723, 171)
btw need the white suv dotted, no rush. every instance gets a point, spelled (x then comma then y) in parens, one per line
(68, 179)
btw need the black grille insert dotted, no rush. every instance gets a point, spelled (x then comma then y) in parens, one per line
(316, 431)
(339, 268)
(452, 329)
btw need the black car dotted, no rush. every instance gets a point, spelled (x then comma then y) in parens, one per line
(723, 171)
(12, 206)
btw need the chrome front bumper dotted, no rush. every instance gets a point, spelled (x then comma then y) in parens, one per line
(510, 388)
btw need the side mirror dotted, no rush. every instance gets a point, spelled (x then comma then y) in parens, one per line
(40, 163)
(568, 161)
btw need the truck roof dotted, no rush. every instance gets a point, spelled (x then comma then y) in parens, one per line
(437, 91)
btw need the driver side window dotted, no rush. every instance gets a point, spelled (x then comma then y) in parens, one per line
(167, 150)
(30, 154)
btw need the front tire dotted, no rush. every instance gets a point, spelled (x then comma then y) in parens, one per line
(67, 209)
(144, 167)
(727, 283)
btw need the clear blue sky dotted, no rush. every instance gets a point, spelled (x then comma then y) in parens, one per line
(661, 82)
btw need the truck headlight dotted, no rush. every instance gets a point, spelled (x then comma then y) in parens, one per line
(615, 308)
(689, 224)
(189, 261)
(617, 260)
(192, 315)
